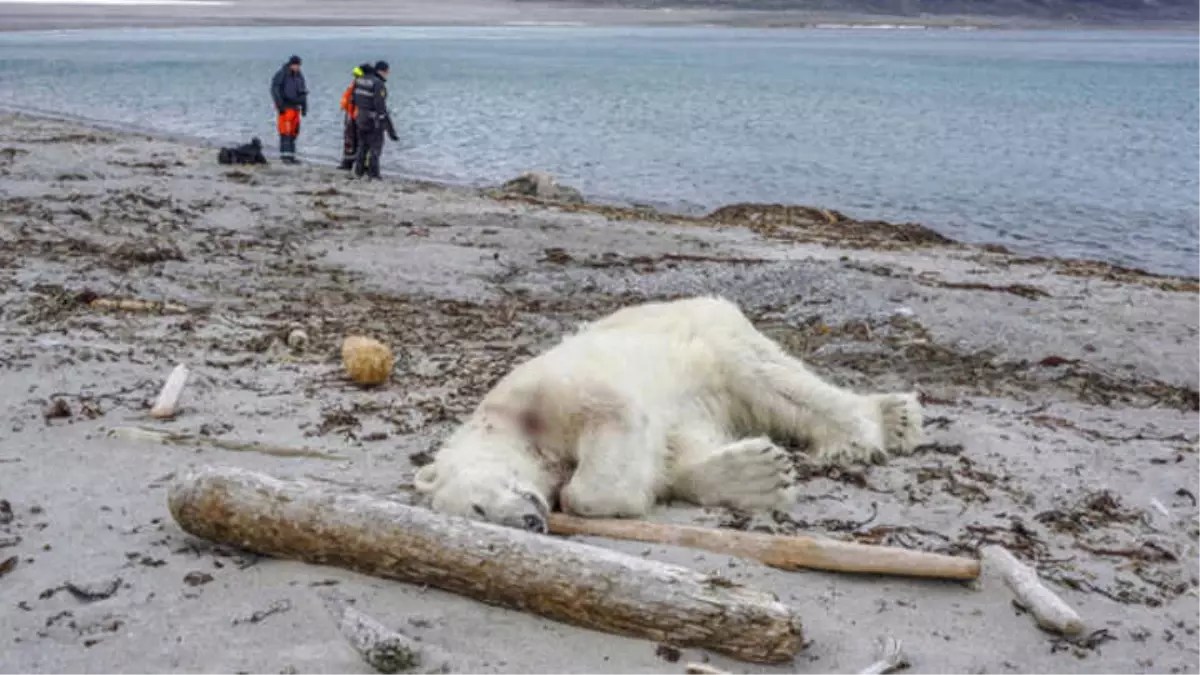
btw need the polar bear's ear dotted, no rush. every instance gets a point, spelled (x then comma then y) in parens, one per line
(426, 478)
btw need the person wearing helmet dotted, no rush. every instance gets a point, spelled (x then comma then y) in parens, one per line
(349, 120)
(370, 99)
(290, 93)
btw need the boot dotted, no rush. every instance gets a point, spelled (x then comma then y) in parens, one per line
(287, 149)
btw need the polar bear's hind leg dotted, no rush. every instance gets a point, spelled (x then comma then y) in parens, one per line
(781, 396)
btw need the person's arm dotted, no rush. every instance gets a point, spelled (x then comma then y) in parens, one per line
(387, 115)
(303, 95)
(277, 91)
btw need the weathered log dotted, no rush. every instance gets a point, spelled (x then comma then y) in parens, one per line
(567, 581)
(1049, 611)
(783, 552)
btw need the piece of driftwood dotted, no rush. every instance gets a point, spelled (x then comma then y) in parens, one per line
(704, 669)
(1049, 610)
(384, 649)
(168, 397)
(567, 581)
(784, 552)
(173, 438)
(889, 657)
(136, 305)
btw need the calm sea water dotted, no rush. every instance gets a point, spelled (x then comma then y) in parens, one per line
(1074, 143)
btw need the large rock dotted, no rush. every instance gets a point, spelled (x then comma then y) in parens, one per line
(541, 185)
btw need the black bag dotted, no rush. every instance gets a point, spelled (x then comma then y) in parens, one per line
(250, 153)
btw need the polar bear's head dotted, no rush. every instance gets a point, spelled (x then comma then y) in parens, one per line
(495, 497)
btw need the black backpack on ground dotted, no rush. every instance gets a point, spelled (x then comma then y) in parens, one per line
(250, 153)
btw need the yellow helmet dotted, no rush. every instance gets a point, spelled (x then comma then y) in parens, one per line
(358, 72)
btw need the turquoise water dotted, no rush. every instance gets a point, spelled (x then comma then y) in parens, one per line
(1073, 143)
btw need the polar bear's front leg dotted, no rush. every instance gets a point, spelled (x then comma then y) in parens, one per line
(620, 470)
(749, 474)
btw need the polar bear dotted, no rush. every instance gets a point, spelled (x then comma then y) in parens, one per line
(658, 401)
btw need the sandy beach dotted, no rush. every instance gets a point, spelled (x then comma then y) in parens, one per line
(1061, 411)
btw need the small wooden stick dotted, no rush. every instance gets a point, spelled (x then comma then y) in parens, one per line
(1048, 609)
(136, 305)
(167, 437)
(783, 552)
(168, 399)
(704, 669)
(889, 655)
(385, 650)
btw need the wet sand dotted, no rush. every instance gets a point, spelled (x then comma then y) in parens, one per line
(1062, 410)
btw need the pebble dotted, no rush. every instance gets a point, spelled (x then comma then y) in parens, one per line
(297, 339)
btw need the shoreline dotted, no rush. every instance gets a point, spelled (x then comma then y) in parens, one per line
(626, 209)
(1061, 403)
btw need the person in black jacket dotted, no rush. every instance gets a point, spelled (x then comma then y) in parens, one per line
(373, 119)
(349, 121)
(290, 93)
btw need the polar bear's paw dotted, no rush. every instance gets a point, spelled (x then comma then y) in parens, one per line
(750, 474)
(857, 437)
(902, 421)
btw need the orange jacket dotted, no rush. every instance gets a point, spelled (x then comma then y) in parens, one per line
(348, 102)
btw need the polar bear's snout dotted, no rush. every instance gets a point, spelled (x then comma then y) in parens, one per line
(516, 508)
(535, 524)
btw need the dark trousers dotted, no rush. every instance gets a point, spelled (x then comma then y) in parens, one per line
(349, 143)
(370, 147)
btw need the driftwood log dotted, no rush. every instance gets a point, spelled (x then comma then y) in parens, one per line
(783, 552)
(567, 581)
(1049, 611)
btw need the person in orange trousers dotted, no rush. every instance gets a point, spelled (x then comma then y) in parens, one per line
(290, 93)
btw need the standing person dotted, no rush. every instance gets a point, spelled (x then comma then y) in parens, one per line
(370, 98)
(349, 121)
(290, 94)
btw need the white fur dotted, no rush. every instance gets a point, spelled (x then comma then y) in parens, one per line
(656, 401)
